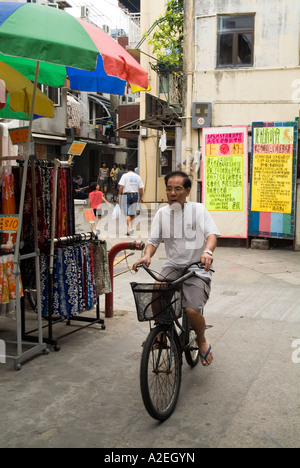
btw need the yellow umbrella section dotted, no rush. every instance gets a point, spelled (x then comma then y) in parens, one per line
(21, 92)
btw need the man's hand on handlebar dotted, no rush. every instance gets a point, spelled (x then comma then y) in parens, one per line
(206, 260)
(145, 259)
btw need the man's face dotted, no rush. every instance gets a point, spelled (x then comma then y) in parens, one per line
(176, 192)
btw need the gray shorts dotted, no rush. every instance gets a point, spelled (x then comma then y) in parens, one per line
(196, 290)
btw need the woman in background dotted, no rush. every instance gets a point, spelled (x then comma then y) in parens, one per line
(103, 177)
(114, 178)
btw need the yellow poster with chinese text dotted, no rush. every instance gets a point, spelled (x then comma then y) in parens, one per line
(224, 183)
(272, 183)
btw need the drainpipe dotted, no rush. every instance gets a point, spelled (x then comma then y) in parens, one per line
(189, 52)
(109, 298)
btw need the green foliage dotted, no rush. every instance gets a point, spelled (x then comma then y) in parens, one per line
(167, 39)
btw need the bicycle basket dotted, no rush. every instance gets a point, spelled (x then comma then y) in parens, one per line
(161, 302)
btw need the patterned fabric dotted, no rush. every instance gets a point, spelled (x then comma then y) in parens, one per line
(102, 276)
(7, 280)
(65, 219)
(74, 288)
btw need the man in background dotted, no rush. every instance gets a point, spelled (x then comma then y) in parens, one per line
(131, 189)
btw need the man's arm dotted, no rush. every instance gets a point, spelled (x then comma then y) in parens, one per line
(120, 193)
(148, 254)
(206, 258)
(141, 193)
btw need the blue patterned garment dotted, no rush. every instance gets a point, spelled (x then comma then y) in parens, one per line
(73, 281)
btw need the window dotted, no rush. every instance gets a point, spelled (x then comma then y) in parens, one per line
(167, 162)
(52, 93)
(98, 110)
(235, 41)
(163, 84)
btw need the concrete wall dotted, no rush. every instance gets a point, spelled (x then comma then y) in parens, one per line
(270, 90)
(267, 91)
(58, 124)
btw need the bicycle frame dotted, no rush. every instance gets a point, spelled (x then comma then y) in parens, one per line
(161, 363)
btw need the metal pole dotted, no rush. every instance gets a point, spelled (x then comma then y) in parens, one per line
(156, 167)
(24, 178)
(109, 298)
(53, 223)
(17, 271)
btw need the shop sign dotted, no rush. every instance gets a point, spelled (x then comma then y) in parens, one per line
(77, 148)
(9, 223)
(19, 135)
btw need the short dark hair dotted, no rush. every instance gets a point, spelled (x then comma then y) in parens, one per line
(187, 183)
(93, 185)
(130, 167)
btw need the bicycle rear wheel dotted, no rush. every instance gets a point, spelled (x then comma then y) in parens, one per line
(160, 374)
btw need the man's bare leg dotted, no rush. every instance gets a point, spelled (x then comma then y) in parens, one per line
(197, 322)
(129, 220)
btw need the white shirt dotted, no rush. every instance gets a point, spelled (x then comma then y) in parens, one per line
(131, 182)
(184, 233)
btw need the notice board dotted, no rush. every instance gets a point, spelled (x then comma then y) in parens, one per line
(225, 178)
(273, 170)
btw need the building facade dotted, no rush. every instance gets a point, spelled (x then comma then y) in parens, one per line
(241, 61)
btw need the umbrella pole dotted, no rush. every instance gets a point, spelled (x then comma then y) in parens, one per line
(17, 257)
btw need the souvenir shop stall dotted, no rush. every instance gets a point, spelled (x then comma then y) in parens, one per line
(61, 273)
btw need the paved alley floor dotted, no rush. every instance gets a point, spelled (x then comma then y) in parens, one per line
(87, 394)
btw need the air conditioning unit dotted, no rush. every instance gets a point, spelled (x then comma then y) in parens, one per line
(70, 133)
(53, 5)
(84, 12)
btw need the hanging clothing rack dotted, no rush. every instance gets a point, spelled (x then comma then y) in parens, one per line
(68, 241)
(40, 347)
(35, 252)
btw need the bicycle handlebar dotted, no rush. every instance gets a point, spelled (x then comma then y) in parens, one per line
(181, 279)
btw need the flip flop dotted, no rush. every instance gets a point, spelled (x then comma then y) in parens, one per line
(205, 357)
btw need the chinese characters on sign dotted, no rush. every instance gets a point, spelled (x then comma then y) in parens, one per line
(272, 171)
(19, 135)
(77, 148)
(225, 178)
(224, 171)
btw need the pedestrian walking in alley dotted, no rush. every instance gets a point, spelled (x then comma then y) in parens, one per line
(131, 189)
(114, 177)
(103, 177)
(95, 202)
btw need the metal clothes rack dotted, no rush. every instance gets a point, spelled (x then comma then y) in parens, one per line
(40, 347)
(21, 354)
(69, 240)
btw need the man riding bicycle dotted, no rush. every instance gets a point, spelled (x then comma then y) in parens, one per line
(190, 235)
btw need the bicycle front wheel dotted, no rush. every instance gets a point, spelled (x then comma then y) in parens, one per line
(192, 351)
(160, 374)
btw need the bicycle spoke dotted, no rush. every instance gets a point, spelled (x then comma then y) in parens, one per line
(162, 374)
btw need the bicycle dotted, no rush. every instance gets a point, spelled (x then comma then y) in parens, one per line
(161, 363)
